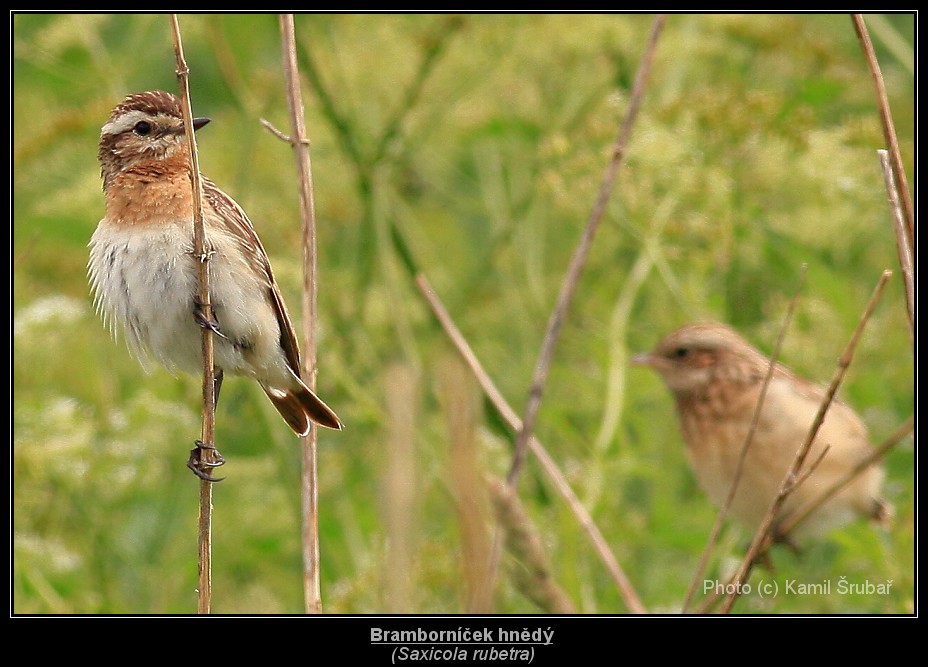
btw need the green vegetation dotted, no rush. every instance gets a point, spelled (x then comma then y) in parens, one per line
(477, 144)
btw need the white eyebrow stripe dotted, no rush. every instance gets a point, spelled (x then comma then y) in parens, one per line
(124, 122)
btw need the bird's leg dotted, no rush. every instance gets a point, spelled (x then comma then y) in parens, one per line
(205, 322)
(200, 467)
(764, 558)
(217, 385)
(779, 537)
(214, 459)
(765, 561)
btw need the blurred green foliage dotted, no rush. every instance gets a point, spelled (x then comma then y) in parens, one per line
(476, 144)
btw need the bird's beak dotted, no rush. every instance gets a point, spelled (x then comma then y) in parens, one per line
(199, 122)
(644, 359)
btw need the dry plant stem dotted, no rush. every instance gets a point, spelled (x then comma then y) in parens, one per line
(601, 546)
(530, 571)
(572, 278)
(312, 592)
(458, 393)
(400, 486)
(723, 512)
(803, 513)
(800, 479)
(903, 244)
(208, 429)
(889, 131)
(764, 531)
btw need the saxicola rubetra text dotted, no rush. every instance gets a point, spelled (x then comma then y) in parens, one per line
(715, 377)
(144, 275)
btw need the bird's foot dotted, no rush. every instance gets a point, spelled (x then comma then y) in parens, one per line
(201, 464)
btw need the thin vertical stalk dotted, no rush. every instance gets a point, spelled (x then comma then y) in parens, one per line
(904, 246)
(889, 130)
(312, 592)
(400, 490)
(208, 428)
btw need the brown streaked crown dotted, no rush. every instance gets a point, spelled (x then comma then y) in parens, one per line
(144, 127)
(152, 102)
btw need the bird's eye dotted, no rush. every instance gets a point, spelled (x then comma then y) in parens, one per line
(681, 353)
(142, 128)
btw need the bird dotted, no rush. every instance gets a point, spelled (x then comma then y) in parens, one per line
(143, 273)
(716, 377)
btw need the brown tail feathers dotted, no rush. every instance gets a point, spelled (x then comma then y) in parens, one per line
(299, 407)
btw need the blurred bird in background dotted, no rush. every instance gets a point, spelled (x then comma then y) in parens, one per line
(715, 377)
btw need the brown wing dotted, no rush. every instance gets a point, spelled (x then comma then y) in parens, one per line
(298, 405)
(239, 224)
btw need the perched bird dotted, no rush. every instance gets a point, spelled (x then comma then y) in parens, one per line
(144, 275)
(716, 377)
